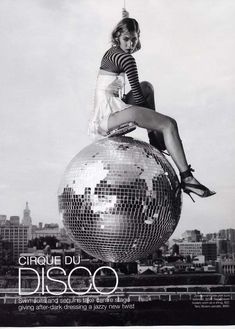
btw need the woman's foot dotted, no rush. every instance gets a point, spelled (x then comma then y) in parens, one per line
(189, 185)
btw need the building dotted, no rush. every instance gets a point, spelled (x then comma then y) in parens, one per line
(14, 221)
(226, 266)
(16, 233)
(209, 250)
(48, 230)
(27, 220)
(192, 236)
(3, 219)
(211, 237)
(6, 252)
(223, 247)
(192, 249)
(141, 269)
(228, 234)
(199, 261)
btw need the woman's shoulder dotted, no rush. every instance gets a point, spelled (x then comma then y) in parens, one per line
(117, 51)
(118, 57)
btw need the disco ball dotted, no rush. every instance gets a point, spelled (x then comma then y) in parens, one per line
(119, 199)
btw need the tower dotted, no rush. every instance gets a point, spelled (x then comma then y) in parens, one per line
(27, 220)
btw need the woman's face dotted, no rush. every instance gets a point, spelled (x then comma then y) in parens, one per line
(128, 41)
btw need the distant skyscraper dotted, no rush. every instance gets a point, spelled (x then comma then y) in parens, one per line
(209, 250)
(3, 219)
(14, 220)
(27, 220)
(211, 237)
(6, 252)
(17, 234)
(229, 235)
(223, 247)
(192, 236)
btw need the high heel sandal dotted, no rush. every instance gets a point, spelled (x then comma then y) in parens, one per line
(186, 186)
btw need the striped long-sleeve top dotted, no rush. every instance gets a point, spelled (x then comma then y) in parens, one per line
(115, 60)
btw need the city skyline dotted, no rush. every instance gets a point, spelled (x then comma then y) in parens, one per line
(49, 61)
(34, 223)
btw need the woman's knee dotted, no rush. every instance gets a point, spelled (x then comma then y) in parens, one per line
(137, 116)
(171, 124)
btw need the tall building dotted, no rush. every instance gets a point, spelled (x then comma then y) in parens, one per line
(6, 252)
(227, 266)
(211, 236)
(16, 233)
(223, 247)
(3, 219)
(27, 220)
(14, 220)
(209, 250)
(228, 234)
(192, 236)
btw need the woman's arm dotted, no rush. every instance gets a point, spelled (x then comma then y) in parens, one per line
(128, 65)
(116, 61)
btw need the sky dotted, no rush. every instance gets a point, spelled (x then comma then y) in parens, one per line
(49, 58)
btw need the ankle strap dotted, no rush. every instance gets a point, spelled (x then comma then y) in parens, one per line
(187, 173)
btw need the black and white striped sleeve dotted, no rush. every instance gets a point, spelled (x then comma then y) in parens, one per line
(127, 63)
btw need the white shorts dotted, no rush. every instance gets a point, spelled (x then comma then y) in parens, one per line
(107, 101)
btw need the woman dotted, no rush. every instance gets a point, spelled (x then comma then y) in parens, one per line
(112, 109)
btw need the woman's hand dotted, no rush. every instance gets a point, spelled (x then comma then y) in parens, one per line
(125, 13)
(116, 85)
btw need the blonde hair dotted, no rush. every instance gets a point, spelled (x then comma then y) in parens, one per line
(126, 24)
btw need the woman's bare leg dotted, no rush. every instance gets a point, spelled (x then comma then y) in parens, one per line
(164, 134)
(165, 128)
(155, 137)
(151, 120)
